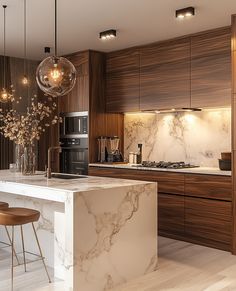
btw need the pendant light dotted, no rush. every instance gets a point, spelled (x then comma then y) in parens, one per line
(5, 96)
(25, 80)
(56, 75)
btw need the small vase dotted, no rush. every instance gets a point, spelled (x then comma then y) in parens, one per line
(28, 160)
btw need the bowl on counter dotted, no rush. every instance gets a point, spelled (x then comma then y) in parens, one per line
(225, 165)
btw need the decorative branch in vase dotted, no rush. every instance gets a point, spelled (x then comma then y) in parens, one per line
(25, 129)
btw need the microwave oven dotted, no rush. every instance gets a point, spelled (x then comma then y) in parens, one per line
(74, 124)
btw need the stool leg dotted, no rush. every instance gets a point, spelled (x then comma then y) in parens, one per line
(8, 235)
(12, 257)
(23, 245)
(41, 253)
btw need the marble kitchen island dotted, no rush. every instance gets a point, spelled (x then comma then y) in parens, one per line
(96, 233)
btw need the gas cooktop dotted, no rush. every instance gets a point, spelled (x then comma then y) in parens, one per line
(167, 165)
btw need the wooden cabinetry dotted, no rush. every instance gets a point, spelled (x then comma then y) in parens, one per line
(122, 81)
(170, 215)
(208, 186)
(211, 68)
(165, 75)
(78, 98)
(191, 207)
(193, 71)
(208, 222)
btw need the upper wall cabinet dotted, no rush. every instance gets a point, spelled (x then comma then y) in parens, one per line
(165, 75)
(122, 81)
(78, 98)
(211, 68)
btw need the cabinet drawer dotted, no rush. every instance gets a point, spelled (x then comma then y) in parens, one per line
(171, 183)
(170, 214)
(209, 186)
(208, 222)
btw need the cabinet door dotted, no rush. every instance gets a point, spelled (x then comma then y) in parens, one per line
(165, 75)
(211, 69)
(170, 215)
(122, 81)
(78, 98)
(208, 222)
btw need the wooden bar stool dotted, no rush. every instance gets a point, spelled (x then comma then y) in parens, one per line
(14, 216)
(4, 206)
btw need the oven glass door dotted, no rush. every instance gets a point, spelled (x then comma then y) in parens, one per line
(74, 161)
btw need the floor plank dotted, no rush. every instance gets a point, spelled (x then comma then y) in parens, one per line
(182, 267)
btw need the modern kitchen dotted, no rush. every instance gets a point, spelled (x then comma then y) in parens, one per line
(117, 145)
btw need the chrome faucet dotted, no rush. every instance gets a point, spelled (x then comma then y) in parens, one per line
(49, 170)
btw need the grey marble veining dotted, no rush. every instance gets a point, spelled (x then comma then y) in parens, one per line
(192, 137)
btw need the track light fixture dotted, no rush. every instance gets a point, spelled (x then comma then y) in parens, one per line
(185, 12)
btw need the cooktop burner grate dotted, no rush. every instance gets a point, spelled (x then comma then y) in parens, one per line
(167, 165)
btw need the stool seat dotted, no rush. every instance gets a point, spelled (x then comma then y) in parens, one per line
(3, 205)
(18, 216)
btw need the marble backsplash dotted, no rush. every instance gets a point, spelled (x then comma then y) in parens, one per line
(192, 137)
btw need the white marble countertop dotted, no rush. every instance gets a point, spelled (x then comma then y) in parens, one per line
(198, 170)
(57, 189)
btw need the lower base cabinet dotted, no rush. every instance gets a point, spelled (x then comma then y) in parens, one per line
(170, 215)
(208, 222)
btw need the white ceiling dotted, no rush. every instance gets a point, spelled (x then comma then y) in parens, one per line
(80, 21)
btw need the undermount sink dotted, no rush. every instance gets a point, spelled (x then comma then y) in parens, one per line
(67, 176)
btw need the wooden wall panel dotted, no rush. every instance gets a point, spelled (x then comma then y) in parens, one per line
(233, 100)
(211, 68)
(165, 75)
(100, 122)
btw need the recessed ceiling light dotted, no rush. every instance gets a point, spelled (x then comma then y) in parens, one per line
(108, 34)
(185, 12)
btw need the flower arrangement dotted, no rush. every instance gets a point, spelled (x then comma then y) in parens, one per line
(25, 129)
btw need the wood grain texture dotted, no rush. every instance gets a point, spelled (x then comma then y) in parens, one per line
(171, 183)
(208, 222)
(170, 214)
(78, 98)
(175, 204)
(165, 75)
(100, 122)
(233, 101)
(211, 68)
(122, 81)
(208, 186)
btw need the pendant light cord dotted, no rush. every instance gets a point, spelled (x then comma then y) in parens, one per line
(24, 37)
(55, 28)
(4, 46)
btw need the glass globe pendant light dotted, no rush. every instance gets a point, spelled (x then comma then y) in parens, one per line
(5, 96)
(56, 76)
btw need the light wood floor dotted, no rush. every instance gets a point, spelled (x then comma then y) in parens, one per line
(182, 267)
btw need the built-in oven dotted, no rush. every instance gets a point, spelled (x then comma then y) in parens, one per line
(74, 124)
(74, 156)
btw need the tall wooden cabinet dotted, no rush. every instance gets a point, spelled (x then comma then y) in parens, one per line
(122, 81)
(211, 68)
(165, 75)
(78, 98)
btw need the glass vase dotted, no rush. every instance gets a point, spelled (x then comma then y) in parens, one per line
(28, 160)
(19, 150)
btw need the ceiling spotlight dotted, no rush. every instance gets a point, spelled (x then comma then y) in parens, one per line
(185, 12)
(108, 34)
